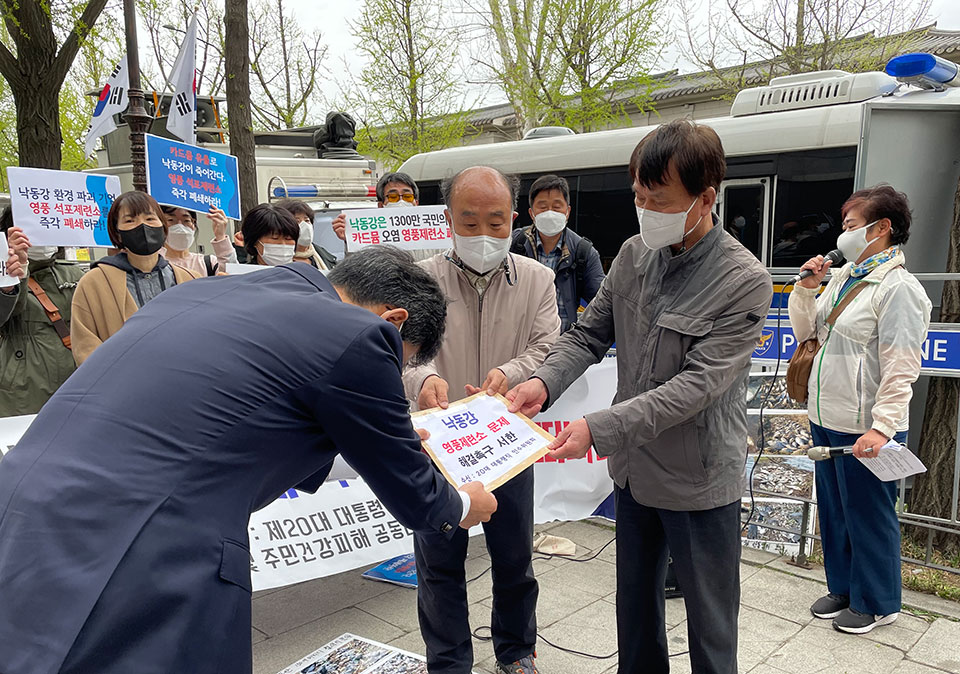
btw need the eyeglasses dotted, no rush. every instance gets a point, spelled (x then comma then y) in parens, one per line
(393, 197)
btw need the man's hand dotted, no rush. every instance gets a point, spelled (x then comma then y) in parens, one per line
(423, 433)
(496, 382)
(14, 268)
(573, 441)
(219, 221)
(339, 225)
(528, 397)
(868, 445)
(433, 393)
(482, 504)
(18, 242)
(819, 269)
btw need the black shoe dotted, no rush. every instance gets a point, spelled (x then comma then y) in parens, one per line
(830, 606)
(854, 622)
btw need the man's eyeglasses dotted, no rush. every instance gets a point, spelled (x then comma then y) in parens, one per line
(393, 197)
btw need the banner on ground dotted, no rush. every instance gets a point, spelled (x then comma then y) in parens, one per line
(344, 526)
(412, 228)
(62, 208)
(350, 654)
(192, 177)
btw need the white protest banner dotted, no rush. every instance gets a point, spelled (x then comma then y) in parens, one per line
(237, 268)
(413, 228)
(302, 536)
(477, 440)
(5, 280)
(62, 208)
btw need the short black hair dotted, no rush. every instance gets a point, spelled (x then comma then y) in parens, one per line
(387, 275)
(879, 202)
(264, 220)
(136, 203)
(6, 219)
(511, 181)
(169, 210)
(297, 207)
(547, 183)
(396, 177)
(694, 149)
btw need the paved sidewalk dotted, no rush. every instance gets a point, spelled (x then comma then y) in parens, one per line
(576, 610)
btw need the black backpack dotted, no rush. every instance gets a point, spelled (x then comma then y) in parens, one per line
(580, 255)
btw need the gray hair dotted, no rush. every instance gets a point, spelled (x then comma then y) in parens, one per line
(397, 177)
(388, 275)
(511, 181)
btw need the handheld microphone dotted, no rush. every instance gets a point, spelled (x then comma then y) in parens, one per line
(834, 256)
(824, 453)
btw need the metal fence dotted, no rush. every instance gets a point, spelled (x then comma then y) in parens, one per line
(932, 524)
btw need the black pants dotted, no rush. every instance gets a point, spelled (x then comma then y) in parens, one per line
(442, 586)
(705, 546)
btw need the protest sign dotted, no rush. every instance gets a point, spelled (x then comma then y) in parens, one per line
(5, 280)
(191, 177)
(477, 440)
(413, 228)
(350, 654)
(62, 208)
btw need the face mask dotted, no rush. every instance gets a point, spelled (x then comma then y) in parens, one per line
(276, 254)
(550, 223)
(306, 235)
(481, 253)
(399, 204)
(142, 239)
(664, 229)
(41, 253)
(853, 243)
(180, 237)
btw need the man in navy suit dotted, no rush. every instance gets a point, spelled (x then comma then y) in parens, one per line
(124, 508)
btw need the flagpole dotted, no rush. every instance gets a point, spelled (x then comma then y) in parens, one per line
(137, 118)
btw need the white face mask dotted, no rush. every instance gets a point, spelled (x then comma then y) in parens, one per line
(398, 204)
(853, 243)
(664, 229)
(41, 253)
(481, 253)
(180, 237)
(306, 234)
(550, 223)
(276, 254)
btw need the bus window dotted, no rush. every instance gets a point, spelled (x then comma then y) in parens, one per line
(811, 187)
(743, 206)
(605, 210)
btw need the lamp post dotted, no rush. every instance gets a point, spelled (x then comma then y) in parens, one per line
(136, 117)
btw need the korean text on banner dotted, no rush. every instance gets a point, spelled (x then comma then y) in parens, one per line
(191, 177)
(5, 280)
(415, 228)
(477, 440)
(62, 208)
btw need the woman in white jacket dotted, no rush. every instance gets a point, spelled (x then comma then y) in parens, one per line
(859, 391)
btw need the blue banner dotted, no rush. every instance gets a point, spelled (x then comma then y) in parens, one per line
(941, 349)
(192, 177)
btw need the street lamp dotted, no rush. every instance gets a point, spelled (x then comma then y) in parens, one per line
(136, 117)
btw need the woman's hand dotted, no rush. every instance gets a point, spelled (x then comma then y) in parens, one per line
(868, 445)
(339, 225)
(219, 221)
(819, 265)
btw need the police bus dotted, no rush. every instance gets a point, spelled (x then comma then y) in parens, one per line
(796, 149)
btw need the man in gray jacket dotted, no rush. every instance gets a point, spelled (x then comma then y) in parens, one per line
(684, 302)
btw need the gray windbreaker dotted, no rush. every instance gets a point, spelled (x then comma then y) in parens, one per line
(685, 327)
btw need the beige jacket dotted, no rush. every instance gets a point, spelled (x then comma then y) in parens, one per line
(512, 327)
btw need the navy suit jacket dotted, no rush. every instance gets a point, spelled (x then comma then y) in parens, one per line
(124, 508)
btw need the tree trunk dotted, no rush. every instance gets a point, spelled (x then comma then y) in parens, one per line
(39, 140)
(933, 491)
(236, 39)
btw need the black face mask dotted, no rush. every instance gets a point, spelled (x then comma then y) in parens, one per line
(142, 239)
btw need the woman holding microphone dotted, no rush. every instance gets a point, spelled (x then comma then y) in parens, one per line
(859, 394)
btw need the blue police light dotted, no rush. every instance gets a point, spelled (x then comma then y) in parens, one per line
(924, 70)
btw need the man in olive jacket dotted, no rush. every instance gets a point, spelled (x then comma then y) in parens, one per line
(34, 358)
(684, 302)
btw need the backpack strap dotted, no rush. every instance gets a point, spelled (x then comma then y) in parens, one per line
(844, 302)
(53, 313)
(209, 264)
(520, 238)
(580, 263)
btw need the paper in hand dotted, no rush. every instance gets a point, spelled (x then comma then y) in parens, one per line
(894, 462)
